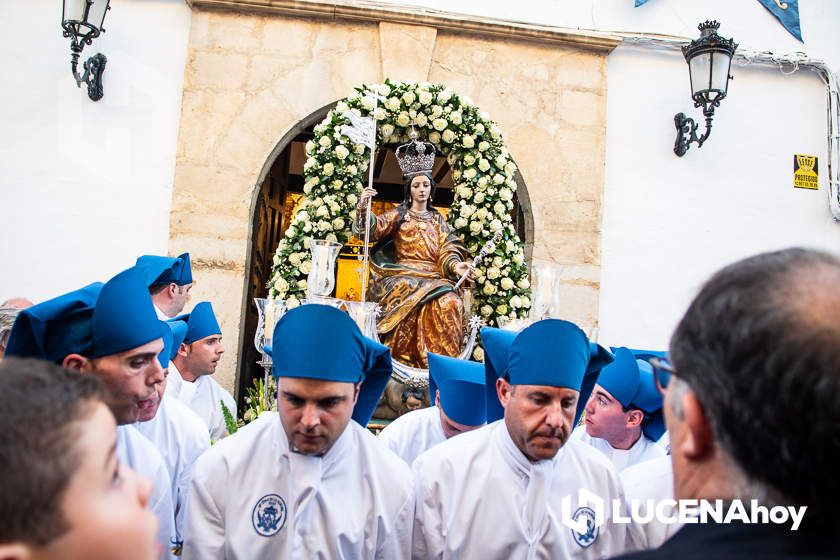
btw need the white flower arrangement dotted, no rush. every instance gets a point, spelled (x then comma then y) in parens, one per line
(335, 170)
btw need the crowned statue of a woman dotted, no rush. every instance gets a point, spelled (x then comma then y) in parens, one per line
(414, 266)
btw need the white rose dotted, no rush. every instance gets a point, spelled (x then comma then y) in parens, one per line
(341, 152)
(483, 164)
(295, 259)
(483, 145)
(359, 149)
(497, 261)
(507, 284)
(387, 129)
(408, 97)
(478, 353)
(281, 285)
(498, 179)
(383, 89)
(468, 141)
(523, 284)
(482, 214)
(479, 128)
(310, 147)
(493, 273)
(380, 114)
(505, 194)
(437, 110)
(307, 227)
(488, 289)
(518, 258)
(448, 136)
(352, 199)
(456, 175)
(464, 191)
(479, 197)
(421, 119)
(495, 225)
(302, 285)
(323, 225)
(469, 159)
(500, 162)
(455, 117)
(329, 168)
(276, 260)
(475, 227)
(526, 301)
(439, 124)
(467, 210)
(306, 267)
(403, 119)
(502, 309)
(515, 302)
(495, 132)
(425, 98)
(352, 170)
(393, 103)
(445, 95)
(331, 237)
(341, 107)
(460, 223)
(510, 168)
(368, 102)
(499, 208)
(486, 310)
(322, 212)
(434, 138)
(482, 182)
(470, 172)
(325, 141)
(292, 302)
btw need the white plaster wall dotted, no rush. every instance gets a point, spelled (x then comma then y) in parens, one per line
(86, 187)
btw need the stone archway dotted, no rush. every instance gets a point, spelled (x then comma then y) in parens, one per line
(278, 189)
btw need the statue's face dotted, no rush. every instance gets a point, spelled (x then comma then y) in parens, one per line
(421, 188)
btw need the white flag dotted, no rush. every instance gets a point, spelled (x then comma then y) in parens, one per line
(360, 131)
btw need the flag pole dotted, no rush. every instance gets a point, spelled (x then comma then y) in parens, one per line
(366, 258)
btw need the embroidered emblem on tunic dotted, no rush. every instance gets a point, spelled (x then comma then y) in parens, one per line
(589, 536)
(269, 515)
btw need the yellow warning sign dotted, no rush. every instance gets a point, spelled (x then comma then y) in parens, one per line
(805, 172)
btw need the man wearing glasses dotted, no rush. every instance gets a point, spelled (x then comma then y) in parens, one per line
(752, 406)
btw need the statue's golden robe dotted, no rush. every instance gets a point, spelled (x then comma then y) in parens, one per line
(411, 279)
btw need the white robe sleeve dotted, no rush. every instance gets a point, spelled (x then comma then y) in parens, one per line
(197, 443)
(428, 538)
(398, 545)
(204, 524)
(160, 502)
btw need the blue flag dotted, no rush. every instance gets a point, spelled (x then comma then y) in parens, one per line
(786, 11)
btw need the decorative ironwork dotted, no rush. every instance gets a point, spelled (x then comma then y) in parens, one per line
(82, 32)
(708, 84)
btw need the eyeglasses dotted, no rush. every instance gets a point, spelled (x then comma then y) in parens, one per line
(662, 372)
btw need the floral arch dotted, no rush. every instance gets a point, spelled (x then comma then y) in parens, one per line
(484, 186)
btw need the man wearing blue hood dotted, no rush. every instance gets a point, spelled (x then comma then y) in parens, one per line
(169, 280)
(624, 414)
(498, 492)
(87, 330)
(306, 481)
(457, 387)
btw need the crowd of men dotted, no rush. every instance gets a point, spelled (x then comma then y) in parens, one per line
(111, 380)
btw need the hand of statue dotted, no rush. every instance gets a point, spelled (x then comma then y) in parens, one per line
(460, 268)
(367, 193)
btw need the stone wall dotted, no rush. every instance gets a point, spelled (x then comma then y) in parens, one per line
(250, 78)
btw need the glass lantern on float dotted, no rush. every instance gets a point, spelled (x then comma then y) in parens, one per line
(270, 311)
(321, 279)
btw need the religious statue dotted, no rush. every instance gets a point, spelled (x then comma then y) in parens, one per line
(414, 266)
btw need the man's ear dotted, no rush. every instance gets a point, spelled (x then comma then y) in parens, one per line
(183, 349)
(172, 290)
(635, 418)
(503, 390)
(14, 551)
(699, 439)
(75, 362)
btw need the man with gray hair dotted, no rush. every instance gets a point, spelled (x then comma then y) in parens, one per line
(7, 319)
(752, 403)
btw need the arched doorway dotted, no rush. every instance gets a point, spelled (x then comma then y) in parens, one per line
(278, 190)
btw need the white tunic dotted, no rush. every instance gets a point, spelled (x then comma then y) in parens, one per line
(643, 450)
(478, 496)
(651, 480)
(160, 314)
(413, 433)
(140, 454)
(204, 396)
(181, 437)
(251, 497)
